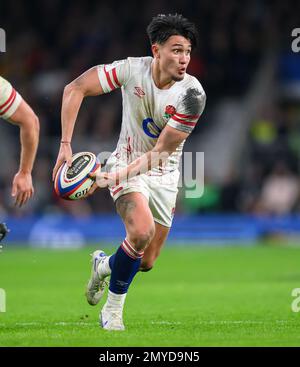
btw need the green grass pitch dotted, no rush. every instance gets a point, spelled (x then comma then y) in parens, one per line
(194, 296)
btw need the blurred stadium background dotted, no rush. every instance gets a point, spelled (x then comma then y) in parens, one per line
(237, 294)
(249, 132)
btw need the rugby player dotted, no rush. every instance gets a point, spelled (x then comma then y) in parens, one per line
(15, 110)
(161, 106)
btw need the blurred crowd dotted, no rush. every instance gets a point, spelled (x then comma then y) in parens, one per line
(269, 181)
(51, 43)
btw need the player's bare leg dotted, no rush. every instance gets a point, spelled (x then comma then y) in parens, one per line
(125, 263)
(134, 210)
(101, 261)
(152, 251)
(137, 217)
(101, 268)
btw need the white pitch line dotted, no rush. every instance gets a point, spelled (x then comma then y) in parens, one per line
(217, 322)
(163, 322)
(61, 323)
(244, 321)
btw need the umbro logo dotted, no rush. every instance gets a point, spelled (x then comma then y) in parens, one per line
(121, 283)
(139, 92)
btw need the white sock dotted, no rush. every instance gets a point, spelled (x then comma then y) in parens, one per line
(103, 268)
(115, 302)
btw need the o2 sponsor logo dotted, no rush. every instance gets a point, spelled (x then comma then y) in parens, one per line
(150, 128)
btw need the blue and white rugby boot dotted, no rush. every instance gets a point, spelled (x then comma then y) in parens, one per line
(96, 285)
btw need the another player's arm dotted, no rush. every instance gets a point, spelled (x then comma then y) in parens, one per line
(85, 85)
(167, 143)
(25, 118)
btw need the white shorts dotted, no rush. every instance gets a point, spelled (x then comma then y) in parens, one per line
(10, 99)
(160, 190)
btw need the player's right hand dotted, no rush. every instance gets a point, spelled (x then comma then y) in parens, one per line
(102, 180)
(64, 155)
(22, 188)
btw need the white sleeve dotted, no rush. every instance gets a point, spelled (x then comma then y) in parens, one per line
(115, 75)
(10, 99)
(189, 110)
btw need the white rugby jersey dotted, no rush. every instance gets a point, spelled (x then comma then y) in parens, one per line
(148, 109)
(9, 99)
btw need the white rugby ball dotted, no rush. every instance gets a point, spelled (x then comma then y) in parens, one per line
(73, 183)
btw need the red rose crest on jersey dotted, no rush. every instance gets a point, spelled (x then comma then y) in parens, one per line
(169, 111)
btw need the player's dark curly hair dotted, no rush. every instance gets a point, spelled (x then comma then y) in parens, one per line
(164, 26)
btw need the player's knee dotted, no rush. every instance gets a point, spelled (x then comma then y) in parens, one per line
(142, 237)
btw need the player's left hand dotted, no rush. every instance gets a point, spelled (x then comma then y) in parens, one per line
(22, 188)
